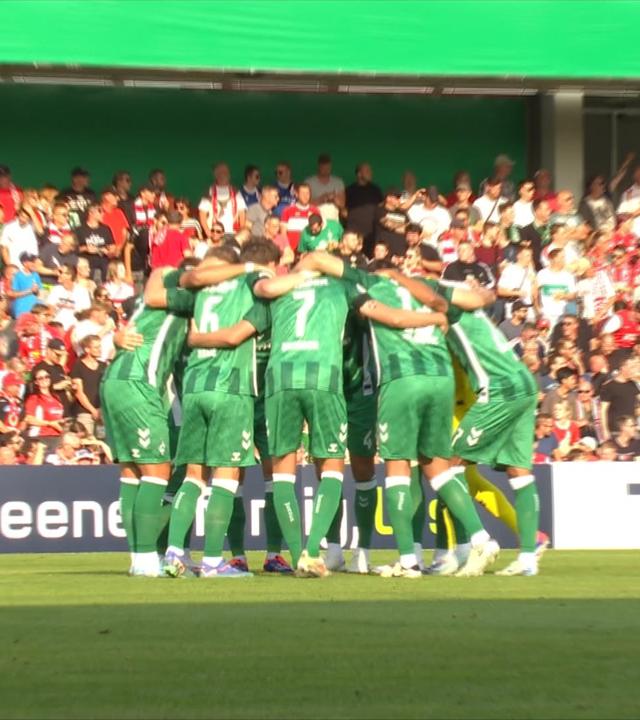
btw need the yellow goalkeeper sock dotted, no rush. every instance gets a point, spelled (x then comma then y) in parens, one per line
(491, 498)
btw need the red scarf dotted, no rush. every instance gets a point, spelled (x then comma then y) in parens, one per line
(213, 192)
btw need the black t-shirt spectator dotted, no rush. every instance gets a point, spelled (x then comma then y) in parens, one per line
(362, 202)
(459, 272)
(53, 259)
(78, 203)
(621, 397)
(598, 381)
(628, 453)
(90, 384)
(99, 238)
(8, 341)
(393, 240)
(530, 236)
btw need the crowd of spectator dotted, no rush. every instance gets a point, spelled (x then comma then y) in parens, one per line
(565, 272)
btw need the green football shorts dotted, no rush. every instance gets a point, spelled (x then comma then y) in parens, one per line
(498, 433)
(414, 417)
(361, 417)
(326, 416)
(260, 438)
(217, 430)
(135, 420)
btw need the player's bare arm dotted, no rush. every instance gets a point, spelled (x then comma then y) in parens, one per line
(213, 271)
(476, 299)
(421, 292)
(275, 287)
(401, 319)
(323, 263)
(228, 337)
(155, 294)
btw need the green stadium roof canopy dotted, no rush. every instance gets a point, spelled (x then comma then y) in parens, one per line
(481, 38)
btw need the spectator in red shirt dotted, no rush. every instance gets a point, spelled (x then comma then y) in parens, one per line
(10, 194)
(114, 218)
(544, 187)
(565, 429)
(189, 225)
(295, 218)
(624, 324)
(461, 179)
(44, 412)
(173, 245)
(623, 234)
(622, 273)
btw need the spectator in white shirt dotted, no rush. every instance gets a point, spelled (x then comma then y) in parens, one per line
(517, 281)
(18, 237)
(630, 201)
(223, 203)
(67, 297)
(523, 206)
(430, 214)
(98, 323)
(488, 205)
(556, 288)
(327, 190)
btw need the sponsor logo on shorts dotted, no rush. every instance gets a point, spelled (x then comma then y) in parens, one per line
(383, 432)
(474, 436)
(235, 457)
(333, 447)
(135, 453)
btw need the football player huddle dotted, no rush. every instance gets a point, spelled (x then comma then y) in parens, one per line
(226, 362)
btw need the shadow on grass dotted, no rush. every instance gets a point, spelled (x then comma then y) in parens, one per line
(441, 659)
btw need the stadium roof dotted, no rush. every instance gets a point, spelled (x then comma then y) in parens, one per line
(524, 43)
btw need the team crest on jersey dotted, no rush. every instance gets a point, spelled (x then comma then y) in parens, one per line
(235, 457)
(474, 436)
(383, 432)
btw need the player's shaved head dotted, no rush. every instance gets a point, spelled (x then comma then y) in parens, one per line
(260, 250)
(225, 253)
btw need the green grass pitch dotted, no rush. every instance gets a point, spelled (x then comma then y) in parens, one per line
(80, 639)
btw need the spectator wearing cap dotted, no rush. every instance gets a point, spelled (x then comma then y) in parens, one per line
(11, 408)
(67, 297)
(523, 206)
(619, 396)
(295, 218)
(430, 212)
(223, 203)
(467, 268)
(10, 194)
(556, 288)
(564, 391)
(512, 326)
(86, 376)
(320, 235)
(595, 207)
(170, 247)
(78, 196)
(95, 242)
(488, 204)
(18, 237)
(538, 234)
(502, 167)
(625, 440)
(362, 199)
(390, 223)
(258, 212)
(517, 281)
(327, 190)
(114, 218)
(44, 413)
(26, 285)
(250, 189)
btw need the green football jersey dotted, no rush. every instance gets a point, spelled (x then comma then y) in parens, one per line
(164, 333)
(484, 352)
(401, 353)
(358, 362)
(307, 327)
(230, 370)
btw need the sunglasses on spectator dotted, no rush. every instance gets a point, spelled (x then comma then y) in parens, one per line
(43, 377)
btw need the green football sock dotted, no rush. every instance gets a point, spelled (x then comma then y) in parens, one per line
(442, 536)
(324, 509)
(333, 533)
(398, 500)
(235, 532)
(419, 519)
(366, 498)
(147, 511)
(218, 515)
(462, 536)
(452, 488)
(271, 524)
(287, 508)
(183, 512)
(128, 491)
(163, 527)
(527, 511)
